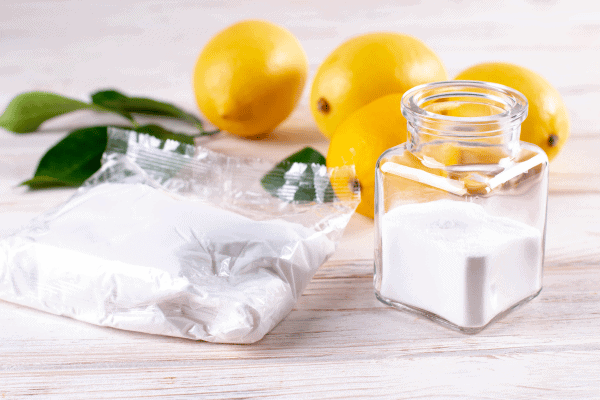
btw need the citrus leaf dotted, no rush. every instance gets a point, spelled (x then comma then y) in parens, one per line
(125, 106)
(72, 160)
(43, 182)
(164, 134)
(294, 179)
(27, 111)
(113, 100)
(77, 157)
(307, 155)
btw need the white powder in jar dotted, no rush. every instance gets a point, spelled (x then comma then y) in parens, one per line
(456, 261)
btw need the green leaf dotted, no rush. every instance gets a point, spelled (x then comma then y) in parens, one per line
(125, 106)
(293, 179)
(27, 111)
(77, 157)
(44, 182)
(164, 134)
(307, 155)
(112, 100)
(72, 160)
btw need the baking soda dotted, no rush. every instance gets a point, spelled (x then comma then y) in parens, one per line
(138, 258)
(456, 261)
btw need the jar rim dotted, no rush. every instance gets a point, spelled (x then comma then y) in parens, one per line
(513, 102)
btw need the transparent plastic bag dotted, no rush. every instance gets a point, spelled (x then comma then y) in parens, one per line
(177, 240)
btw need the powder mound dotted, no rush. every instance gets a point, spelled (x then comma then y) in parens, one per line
(462, 226)
(456, 261)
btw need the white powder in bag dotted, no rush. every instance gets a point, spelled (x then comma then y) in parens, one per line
(138, 258)
(458, 262)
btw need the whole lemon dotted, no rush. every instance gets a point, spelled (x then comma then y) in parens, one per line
(361, 139)
(368, 67)
(249, 77)
(547, 123)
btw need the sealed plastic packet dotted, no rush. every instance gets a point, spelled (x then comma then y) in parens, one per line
(172, 239)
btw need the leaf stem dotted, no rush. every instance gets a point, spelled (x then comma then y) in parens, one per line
(206, 133)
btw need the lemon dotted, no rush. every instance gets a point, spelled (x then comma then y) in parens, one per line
(547, 123)
(368, 67)
(361, 139)
(249, 77)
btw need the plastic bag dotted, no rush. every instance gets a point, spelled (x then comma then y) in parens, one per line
(177, 240)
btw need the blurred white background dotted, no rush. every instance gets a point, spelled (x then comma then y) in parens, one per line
(149, 47)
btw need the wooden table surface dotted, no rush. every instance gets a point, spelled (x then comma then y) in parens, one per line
(339, 341)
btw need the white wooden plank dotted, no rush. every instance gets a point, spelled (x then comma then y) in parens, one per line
(339, 342)
(528, 376)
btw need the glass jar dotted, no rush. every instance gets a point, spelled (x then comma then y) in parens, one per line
(460, 208)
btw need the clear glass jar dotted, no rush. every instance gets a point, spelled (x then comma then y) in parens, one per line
(460, 208)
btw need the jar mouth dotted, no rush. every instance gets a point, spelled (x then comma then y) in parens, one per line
(464, 107)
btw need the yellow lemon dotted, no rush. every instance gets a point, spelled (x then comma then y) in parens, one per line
(547, 123)
(361, 139)
(366, 68)
(249, 77)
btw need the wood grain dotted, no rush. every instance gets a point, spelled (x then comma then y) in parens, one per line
(339, 342)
